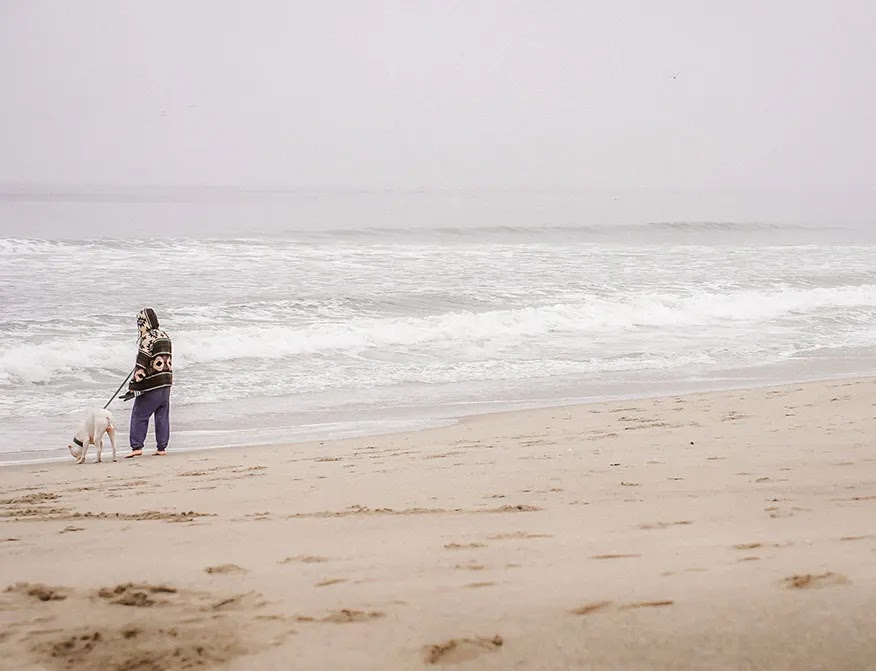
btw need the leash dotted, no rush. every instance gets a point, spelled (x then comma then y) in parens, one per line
(119, 389)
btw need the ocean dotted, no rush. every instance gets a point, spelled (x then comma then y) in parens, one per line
(314, 333)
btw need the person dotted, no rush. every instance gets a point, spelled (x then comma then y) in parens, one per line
(150, 385)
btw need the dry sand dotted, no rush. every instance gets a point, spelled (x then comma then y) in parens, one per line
(732, 530)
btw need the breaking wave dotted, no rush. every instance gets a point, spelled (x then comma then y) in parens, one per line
(493, 332)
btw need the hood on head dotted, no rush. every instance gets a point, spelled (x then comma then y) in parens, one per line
(146, 321)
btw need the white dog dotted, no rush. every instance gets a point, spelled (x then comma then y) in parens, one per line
(96, 423)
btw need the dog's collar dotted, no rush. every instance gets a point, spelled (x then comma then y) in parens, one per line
(78, 442)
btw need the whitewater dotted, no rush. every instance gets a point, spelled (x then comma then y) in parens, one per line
(309, 335)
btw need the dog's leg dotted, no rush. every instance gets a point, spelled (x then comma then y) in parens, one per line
(111, 431)
(98, 445)
(88, 436)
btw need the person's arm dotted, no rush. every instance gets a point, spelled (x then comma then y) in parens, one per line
(144, 356)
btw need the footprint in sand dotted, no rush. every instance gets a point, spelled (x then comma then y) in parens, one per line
(344, 616)
(776, 512)
(757, 544)
(247, 600)
(519, 508)
(122, 649)
(225, 568)
(66, 530)
(647, 604)
(615, 556)
(687, 570)
(663, 525)
(466, 546)
(37, 497)
(137, 596)
(459, 650)
(330, 581)
(591, 608)
(304, 559)
(470, 567)
(810, 581)
(184, 638)
(598, 606)
(39, 591)
(264, 515)
(515, 535)
(747, 546)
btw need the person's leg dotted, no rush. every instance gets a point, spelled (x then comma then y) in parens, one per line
(140, 414)
(162, 419)
(144, 406)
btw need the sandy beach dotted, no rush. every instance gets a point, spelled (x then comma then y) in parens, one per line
(730, 530)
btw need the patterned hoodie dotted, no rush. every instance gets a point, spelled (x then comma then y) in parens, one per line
(154, 367)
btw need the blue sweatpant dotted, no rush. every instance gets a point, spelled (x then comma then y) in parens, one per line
(155, 402)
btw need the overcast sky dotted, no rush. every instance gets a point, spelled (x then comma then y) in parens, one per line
(764, 94)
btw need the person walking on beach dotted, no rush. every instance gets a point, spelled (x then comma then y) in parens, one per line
(150, 385)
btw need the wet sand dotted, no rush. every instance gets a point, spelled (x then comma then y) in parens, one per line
(730, 530)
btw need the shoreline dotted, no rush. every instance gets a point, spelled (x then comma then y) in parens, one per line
(419, 424)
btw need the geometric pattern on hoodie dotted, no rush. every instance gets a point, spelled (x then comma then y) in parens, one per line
(154, 366)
